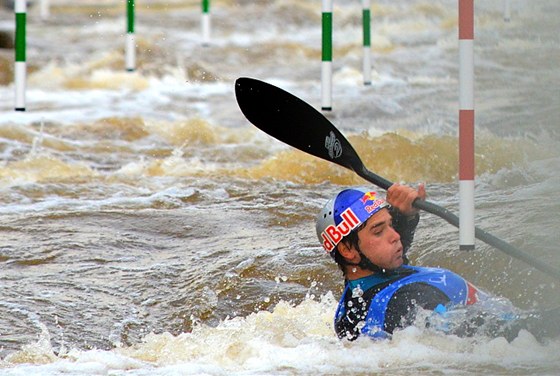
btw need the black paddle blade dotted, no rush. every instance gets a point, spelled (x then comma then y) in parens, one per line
(294, 122)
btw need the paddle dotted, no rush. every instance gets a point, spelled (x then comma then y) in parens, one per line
(296, 123)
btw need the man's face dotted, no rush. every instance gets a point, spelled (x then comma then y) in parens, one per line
(380, 242)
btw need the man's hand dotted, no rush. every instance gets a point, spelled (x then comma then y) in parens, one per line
(401, 197)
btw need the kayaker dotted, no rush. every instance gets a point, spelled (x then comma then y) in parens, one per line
(369, 237)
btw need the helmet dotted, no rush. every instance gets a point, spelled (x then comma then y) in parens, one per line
(345, 212)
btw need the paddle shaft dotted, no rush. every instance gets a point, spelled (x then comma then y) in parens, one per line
(454, 220)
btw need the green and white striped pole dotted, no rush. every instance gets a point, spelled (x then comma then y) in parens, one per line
(326, 64)
(205, 22)
(20, 70)
(130, 50)
(366, 21)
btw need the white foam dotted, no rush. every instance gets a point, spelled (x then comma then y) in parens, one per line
(299, 339)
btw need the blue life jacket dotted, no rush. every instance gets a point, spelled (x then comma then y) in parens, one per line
(457, 289)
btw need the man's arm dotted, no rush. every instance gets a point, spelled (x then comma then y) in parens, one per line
(405, 216)
(405, 226)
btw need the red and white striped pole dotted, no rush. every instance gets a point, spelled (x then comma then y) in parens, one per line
(466, 125)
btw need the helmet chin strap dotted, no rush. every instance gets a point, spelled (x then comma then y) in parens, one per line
(366, 263)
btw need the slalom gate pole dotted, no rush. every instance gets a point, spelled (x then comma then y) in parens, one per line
(326, 56)
(366, 21)
(205, 22)
(20, 69)
(466, 125)
(507, 11)
(45, 11)
(130, 48)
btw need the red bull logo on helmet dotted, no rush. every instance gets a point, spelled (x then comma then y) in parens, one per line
(369, 196)
(376, 203)
(333, 234)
